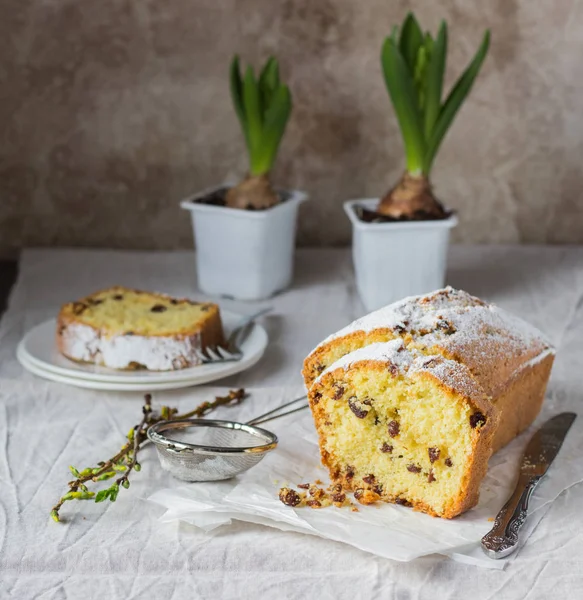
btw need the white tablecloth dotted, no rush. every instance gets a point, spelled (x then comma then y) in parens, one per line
(121, 550)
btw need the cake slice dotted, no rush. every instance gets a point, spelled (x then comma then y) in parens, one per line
(123, 328)
(403, 427)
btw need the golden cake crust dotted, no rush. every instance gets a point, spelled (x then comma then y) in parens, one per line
(521, 399)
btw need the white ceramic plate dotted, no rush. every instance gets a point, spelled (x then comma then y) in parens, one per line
(105, 385)
(37, 352)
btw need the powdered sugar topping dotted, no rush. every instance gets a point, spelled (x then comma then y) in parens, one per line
(493, 344)
(155, 353)
(441, 313)
(409, 361)
(451, 317)
(393, 352)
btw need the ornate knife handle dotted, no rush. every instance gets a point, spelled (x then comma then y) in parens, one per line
(502, 539)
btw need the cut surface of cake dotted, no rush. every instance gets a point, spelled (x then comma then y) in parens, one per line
(123, 328)
(403, 427)
(410, 401)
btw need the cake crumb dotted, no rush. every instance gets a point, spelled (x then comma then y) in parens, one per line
(316, 492)
(366, 496)
(334, 495)
(290, 497)
(316, 497)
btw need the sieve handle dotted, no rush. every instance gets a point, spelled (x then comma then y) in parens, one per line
(275, 413)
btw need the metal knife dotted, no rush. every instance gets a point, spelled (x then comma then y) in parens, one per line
(542, 449)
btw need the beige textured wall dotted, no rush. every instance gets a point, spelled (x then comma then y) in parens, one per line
(113, 110)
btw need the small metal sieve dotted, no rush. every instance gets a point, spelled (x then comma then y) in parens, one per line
(211, 450)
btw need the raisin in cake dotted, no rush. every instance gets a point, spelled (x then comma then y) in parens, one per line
(411, 400)
(129, 329)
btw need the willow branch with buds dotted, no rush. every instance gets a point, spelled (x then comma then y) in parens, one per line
(125, 461)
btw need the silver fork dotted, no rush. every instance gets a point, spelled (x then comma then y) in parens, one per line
(231, 351)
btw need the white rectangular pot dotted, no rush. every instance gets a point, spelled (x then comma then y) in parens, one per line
(244, 254)
(395, 260)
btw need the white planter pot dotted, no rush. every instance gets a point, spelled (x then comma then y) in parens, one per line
(395, 260)
(244, 254)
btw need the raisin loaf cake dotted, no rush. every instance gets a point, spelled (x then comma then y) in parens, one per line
(130, 329)
(411, 400)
